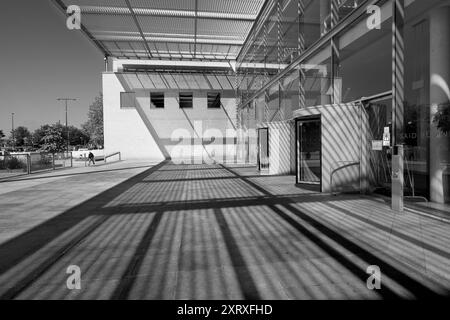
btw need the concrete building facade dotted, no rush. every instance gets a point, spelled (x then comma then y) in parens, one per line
(139, 129)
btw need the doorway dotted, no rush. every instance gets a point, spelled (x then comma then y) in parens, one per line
(414, 138)
(379, 115)
(309, 151)
(263, 149)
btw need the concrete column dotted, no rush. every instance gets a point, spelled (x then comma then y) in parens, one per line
(325, 9)
(335, 55)
(325, 88)
(325, 82)
(439, 94)
(301, 48)
(336, 80)
(398, 104)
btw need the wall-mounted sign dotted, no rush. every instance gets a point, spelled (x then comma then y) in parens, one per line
(377, 145)
(386, 137)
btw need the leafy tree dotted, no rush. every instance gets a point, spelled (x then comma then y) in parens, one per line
(21, 136)
(53, 140)
(76, 136)
(2, 135)
(94, 126)
(39, 134)
(442, 118)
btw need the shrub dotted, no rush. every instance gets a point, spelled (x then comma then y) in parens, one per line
(14, 163)
(442, 119)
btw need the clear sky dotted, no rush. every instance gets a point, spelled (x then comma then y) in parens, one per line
(41, 60)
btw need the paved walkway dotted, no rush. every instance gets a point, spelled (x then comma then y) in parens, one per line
(209, 232)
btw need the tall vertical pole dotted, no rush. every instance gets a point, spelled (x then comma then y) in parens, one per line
(12, 131)
(397, 70)
(336, 85)
(280, 56)
(195, 28)
(279, 36)
(398, 50)
(67, 130)
(301, 48)
(266, 76)
(67, 126)
(326, 80)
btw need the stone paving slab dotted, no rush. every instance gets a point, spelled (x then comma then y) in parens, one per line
(167, 231)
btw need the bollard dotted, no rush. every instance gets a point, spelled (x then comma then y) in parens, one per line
(397, 179)
(28, 164)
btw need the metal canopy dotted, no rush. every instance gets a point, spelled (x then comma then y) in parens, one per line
(213, 30)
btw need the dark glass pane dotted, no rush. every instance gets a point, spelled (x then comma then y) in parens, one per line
(309, 151)
(263, 148)
(127, 100)
(157, 99)
(186, 100)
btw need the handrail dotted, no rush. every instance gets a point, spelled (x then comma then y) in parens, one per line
(104, 156)
(349, 164)
(112, 155)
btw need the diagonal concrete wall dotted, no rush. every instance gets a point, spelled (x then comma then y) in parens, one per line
(144, 132)
(281, 152)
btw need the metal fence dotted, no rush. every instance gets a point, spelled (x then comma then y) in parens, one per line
(14, 165)
(27, 163)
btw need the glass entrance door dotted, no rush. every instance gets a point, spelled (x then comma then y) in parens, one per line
(263, 149)
(309, 152)
(379, 115)
(414, 139)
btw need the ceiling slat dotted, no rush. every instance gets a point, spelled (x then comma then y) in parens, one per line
(168, 29)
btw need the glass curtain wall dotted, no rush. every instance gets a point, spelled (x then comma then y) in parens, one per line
(287, 28)
(273, 94)
(360, 66)
(260, 113)
(417, 102)
(427, 102)
(364, 67)
(289, 94)
(317, 85)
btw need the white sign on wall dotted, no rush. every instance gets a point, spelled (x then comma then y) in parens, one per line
(377, 145)
(386, 137)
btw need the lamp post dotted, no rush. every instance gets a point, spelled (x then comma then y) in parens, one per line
(12, 131)
(67, 127)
